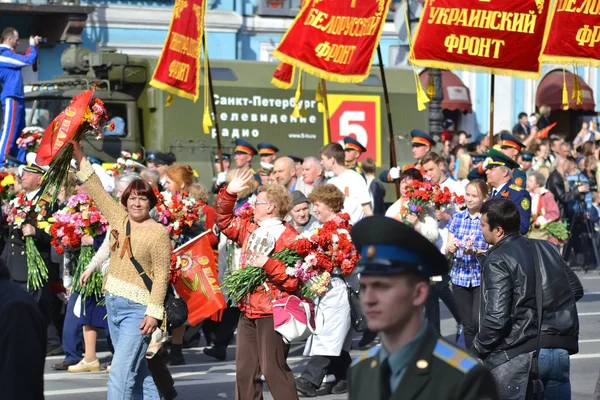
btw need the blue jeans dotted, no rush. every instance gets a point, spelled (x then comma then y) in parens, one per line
(72, 334)
(129, 375)
(555, 366)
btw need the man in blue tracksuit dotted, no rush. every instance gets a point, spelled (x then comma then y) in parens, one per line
(13, 96)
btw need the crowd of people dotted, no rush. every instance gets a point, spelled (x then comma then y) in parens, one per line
(461, 231)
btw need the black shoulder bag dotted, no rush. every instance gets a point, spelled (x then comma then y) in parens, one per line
(357, 318)
(535, 386)
(177, 312)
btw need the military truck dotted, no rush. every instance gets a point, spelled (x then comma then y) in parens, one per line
(247, 106)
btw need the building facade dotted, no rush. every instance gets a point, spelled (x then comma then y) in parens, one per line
(250, 30)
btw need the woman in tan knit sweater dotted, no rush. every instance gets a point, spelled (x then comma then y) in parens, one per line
(133, 311)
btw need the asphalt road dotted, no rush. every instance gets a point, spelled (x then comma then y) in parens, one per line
(206, 379)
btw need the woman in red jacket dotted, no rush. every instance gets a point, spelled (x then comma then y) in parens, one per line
(260, 349)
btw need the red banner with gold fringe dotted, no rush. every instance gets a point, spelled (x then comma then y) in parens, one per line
(503, 37)
(178, 68)
(334, 40)
(574, 37)
(283, 77)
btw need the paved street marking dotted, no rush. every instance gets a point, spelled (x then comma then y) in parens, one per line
(588, 314)
(589, 341)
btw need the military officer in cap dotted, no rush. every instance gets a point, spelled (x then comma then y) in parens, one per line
(161, 163)
(512, 147)
(268, 155)
(477, 172)
(14, 254)
(352, 150)
(526, 161)
(421, 145)
(413, 362)
(498, 169)
(242, 156)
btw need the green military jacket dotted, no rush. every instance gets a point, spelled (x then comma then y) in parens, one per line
(438, 371)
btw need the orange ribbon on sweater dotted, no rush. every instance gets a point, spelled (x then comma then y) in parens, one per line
(115, 234)
(126, 247)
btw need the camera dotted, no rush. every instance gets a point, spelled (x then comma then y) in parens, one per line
(593, 188)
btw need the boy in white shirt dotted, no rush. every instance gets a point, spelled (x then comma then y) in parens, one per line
(358, 200)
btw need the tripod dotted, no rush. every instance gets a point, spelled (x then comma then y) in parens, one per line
(579, 215)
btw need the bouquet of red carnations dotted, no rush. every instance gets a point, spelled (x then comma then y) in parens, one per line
(30, 139)
(177, 212)
(315, 256)
(23, 211)
(442, 197)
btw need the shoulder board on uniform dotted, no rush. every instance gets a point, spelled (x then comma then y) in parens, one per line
(454, 356)
(367, 354)
(516, 188)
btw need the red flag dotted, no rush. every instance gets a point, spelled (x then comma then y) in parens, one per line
(283, 77)
(62, 128)
(198, 284)
(543, 133)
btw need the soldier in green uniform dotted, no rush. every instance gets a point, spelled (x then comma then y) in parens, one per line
(268, 155)
(421, 143)
(353, 149)
(242, 156)
(512, 147)
(413, 362)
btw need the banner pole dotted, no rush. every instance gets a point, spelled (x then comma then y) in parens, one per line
(386, 97)
(492, 88)
(212, 101)
(326, 105)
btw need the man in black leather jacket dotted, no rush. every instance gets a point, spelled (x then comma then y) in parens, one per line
(507, 337)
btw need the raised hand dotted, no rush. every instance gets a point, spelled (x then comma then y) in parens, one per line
(240, 181)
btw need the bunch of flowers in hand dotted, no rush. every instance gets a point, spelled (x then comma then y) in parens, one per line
(22, 211)
(177, 212)
(419, 196)
(7, 186)
(79, 218)
(442, 197)
(85, 116)
(314, 257)
(30, 138)
(96, 116)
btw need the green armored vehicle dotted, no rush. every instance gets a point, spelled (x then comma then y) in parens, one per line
(248, 106)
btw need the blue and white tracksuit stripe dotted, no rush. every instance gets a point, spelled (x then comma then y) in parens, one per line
(12, 97)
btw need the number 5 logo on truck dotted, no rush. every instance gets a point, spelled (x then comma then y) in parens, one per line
(358, 117)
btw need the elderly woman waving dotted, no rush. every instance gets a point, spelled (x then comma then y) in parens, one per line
(260, 349)
(133, 311)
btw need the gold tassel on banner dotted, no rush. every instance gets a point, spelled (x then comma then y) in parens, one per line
(296, 112)
(207, 118)
(422, 97)
(577, 94)
(169, 101)
(430, 86)
(565, 92)
(319, 98)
